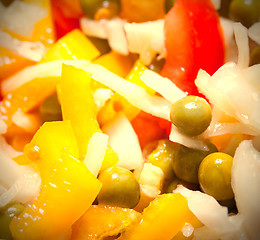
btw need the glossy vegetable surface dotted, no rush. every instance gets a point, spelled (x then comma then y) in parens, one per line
(188, 52)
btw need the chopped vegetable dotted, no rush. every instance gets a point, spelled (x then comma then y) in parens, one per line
(188, 52)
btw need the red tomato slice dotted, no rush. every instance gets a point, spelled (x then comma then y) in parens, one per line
(194, 40)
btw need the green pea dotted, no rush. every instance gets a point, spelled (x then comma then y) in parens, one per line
(6, 215)
(50, 109)
(191, 115)
(244, 11)
(215, 175)
(119, 188)
(255, 56)
(186, 161)
(99, 9)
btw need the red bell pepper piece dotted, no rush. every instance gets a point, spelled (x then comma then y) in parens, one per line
(194, 40)
(62, 23)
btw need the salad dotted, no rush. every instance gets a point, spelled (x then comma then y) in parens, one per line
(130, 119)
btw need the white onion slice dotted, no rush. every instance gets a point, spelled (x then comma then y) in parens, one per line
(254, 32)
(112, 30)
(216, 129)
(187, 141)
(125, 143)
(146, 39)
(229, 91)
(101, 95)
(241, 38)
(48, 69)
(96, 152)
(245, 180)
(252, 74)
(21, 182)
(231, 51)
(135, 94)
(23, 190)
(162, 85)
(215, 217)
(20, 17)
(30, 50)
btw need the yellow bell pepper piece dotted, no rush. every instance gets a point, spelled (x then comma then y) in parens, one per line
(68, 188)
(116, 63)
(74, 45)
(78, 106)
(162, 219)
(26, 97)
(118, 103)
(101, 221)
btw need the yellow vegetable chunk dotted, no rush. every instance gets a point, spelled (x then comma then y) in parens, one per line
(78, 105)
(74, 45)
(162, 219)
(102, 221)
(116, 63)
(68, 188)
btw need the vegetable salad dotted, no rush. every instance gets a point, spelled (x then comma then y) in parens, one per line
(129, 119)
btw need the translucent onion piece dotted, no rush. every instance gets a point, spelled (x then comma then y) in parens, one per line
(216, 129)
(187, 141)
(162, 85)
(96, 152)
(229, 91)
(23, 190)
(112, 30)
(231, 50)
(146, 39)
(241, 38)
(135, 94)
(21, 182)
(13, 17)
(30, 50)
(125, 143)
(217, 223)
(254, 32)
(101, 95)
(245, 180)
(48, 69)
(252, 75)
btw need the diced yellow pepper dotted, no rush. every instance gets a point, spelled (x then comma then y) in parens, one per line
(68, 188)
(162, 219)
(78, 106)
(116, 63)
(102, 221)
(118, 103)
(74, 45)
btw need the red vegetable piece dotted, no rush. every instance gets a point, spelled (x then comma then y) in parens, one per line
(62, 23)
(148, 128)
(194, 40)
